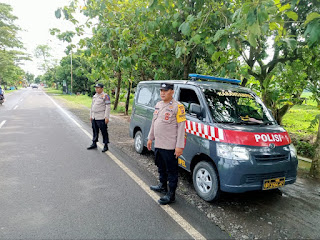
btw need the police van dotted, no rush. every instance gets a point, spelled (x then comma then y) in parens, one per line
(232, 143)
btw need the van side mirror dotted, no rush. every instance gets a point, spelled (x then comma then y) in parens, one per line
(195, 109)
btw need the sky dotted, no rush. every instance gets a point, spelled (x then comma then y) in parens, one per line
(36, 17)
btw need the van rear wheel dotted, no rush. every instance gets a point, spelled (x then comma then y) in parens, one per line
(138, 142)
(205, 181)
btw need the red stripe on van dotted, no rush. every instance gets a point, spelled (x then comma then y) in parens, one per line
(256, 139)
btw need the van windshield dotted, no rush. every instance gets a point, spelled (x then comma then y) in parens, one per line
(237, 107)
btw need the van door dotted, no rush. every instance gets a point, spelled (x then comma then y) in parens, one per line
(189, 97)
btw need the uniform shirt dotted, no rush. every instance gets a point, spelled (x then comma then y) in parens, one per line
(100, 107)
(168, 125)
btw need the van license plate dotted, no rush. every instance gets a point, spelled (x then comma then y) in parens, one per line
(273, 183)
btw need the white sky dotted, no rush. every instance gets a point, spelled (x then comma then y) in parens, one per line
(36, 17)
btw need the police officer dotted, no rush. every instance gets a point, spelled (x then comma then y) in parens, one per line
(99, 117)
(168, 131)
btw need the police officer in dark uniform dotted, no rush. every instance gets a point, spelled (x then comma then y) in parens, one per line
(168, 131)
(99, 117)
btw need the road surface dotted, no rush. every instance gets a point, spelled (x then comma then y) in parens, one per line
(52, 187)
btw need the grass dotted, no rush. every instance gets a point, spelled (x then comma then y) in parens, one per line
(304, 165)
(85, 100)
(299, 117)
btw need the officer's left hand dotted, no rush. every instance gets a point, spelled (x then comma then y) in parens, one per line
(178, 152)
(106, 120)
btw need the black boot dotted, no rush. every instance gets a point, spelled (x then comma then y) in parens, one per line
(162, 188)
(170, 197)
(92, 146)
(105, 148)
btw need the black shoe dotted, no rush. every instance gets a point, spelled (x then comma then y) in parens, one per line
(159, 188)
(92, 146)
(105, 148)
(168, 198)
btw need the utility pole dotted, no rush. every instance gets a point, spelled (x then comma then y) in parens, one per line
(71, 72)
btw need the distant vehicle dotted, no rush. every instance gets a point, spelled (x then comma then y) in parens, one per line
(33, 85)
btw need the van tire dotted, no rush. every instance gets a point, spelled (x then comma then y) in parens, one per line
(138, 142)
(205, 181)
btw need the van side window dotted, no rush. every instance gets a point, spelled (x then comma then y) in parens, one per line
(145, 94)
(188, 96)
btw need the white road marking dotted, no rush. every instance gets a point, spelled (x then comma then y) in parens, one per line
(2, 123)
(15, 107)
(169, 210)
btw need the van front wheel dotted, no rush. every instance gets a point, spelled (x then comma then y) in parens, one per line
(205, 181)
(138, 142)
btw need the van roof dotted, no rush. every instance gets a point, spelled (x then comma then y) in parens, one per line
(202, 84)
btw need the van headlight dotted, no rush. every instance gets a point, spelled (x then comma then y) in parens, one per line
(293, 151)
(232, 152)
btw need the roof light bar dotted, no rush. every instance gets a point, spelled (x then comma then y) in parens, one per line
(206, 77)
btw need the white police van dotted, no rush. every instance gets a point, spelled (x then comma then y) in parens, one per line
(233, 144)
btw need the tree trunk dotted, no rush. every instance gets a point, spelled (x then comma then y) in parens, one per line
(118, 90)
(281, 112)
(128, 96)
(244, 82)
(315, 165)
(186, 67)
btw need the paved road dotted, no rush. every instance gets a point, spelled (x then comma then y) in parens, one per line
(52, 187)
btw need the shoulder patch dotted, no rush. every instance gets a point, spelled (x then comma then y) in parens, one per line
(181, 114)
(107, 99)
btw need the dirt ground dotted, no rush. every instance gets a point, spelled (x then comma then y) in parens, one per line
(290, 213)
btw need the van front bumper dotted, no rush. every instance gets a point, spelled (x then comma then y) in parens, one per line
(243, 176)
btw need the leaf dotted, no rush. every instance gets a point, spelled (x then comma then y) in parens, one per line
(216, 55)
(175, 24)
(311, 17)
(254, 29)
(58, 13)
(294, 16)
(285, 7)
(196, 39)
(178, 52)
(185, 28)
(252, 40)
(312, 33)
(251, 17)
(218, 35)
(263, 15)
(273, 26)
(153, 4)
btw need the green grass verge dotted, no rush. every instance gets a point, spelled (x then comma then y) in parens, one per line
(86, 100)
(304, 165)
(299, 117)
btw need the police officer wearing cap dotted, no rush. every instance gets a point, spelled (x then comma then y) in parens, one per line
(99, 117)
(168, 132)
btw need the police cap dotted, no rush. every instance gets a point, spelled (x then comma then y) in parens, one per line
(100, 85)
(166, 86)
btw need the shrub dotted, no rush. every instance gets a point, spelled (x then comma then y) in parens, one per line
(304, 148)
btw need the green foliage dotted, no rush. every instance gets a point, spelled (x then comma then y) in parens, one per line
(10, 72)
(304, 148)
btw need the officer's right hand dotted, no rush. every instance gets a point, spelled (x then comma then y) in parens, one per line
(149, 144)
(90, 119)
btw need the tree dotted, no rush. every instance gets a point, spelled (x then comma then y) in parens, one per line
(10, 73)
(253, 28)
(43, 52)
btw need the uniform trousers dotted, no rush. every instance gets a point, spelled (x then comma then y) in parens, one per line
(100, 124)
(167, 167)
